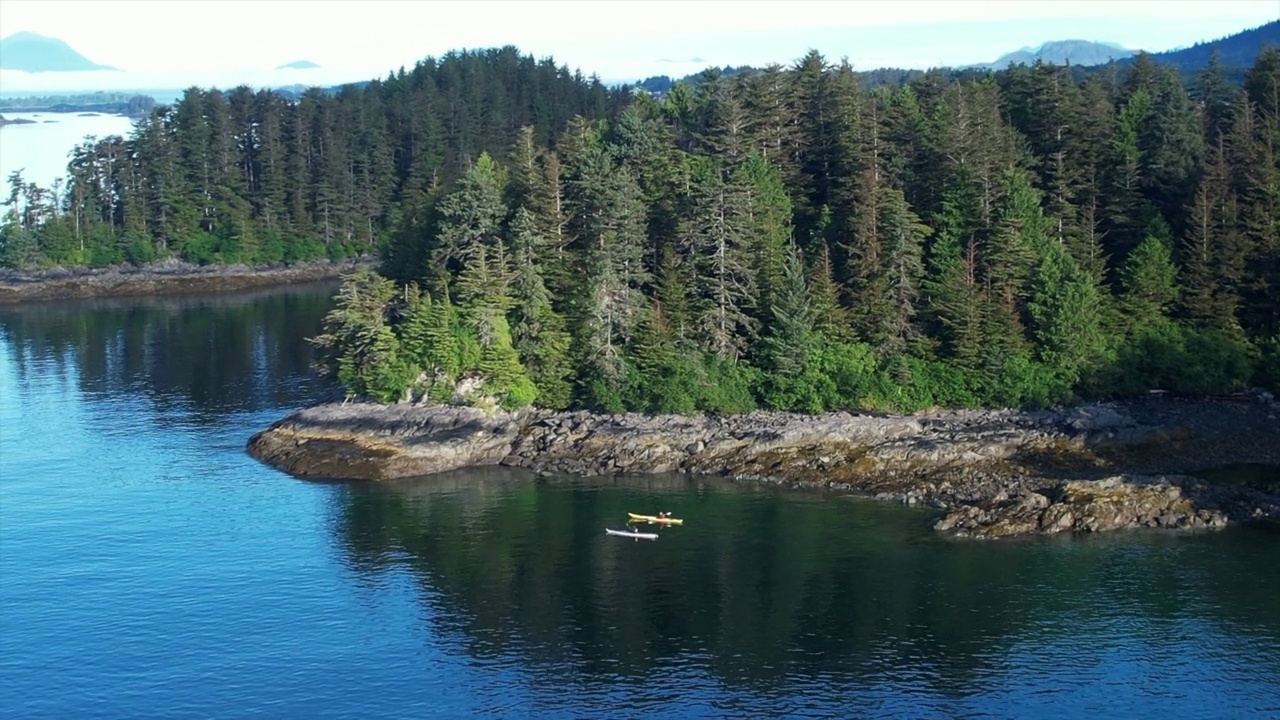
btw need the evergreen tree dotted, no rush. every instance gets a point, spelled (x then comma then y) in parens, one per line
(469, 232)
(715, 241)
(1150, 277)
(768, 228)
(539, 333)
(1213, 249)
(793, 335)
(1014, 245)
(608, 219)
(365, 355)
(1066, 311)
(903, 244)
(952, 294)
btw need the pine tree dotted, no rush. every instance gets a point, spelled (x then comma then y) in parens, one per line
(1014, 245)
(793, 332)
(1172, 146)
(813, 140)
(470, 222)
(538, 331)
(608, 221)
(768, 231)
(1150, 277)
(716, 243)
(1066, 312)
(357, 344)
(771, 105)
(1125, 206)
(952, 295)
(903, 244)
(1214, 98)
(1254, 155)
(824, 295)
(1213, 250)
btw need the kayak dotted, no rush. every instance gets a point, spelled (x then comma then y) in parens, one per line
(631, 534)
(654, 519)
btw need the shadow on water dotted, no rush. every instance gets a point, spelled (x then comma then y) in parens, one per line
(760, 586)
(195, 359)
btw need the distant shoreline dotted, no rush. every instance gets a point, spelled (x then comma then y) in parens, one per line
(169, 278)
(110, 109)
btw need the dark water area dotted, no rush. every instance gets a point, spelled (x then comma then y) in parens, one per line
(150, 568)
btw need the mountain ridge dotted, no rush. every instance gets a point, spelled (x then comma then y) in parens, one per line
(1236, 52)
(1084, 53)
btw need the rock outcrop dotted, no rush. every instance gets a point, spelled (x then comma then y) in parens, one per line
(992, 472)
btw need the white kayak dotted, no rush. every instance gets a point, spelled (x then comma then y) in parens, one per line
(631, 534)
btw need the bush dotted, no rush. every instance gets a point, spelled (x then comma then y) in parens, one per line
(728, 388)
(1267, 372)
(272, 248)
(302, 249)
(1181, 359)
(920, 383)
(1019, 381)
(137, 251)
(201, 248)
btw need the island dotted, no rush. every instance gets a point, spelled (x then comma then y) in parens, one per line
(85, 104)
(805, 275)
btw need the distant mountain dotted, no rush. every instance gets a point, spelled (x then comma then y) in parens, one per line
(298, 65)
(1081, 53)
(29, 52)
(1239, 50)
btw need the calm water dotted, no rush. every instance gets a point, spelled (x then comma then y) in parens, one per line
(42, 150)
(149, 568)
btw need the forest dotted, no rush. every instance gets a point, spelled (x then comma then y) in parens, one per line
(784, 238)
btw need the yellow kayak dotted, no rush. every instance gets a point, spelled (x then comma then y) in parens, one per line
(654, 519)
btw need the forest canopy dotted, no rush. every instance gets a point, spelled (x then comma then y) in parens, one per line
(782, 238)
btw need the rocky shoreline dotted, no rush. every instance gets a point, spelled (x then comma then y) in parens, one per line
(171, 277)
(990, 473)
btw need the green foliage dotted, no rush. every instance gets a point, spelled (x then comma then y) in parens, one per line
(1020, 381)
(1150, 277)
(781, 238)
(503, 376)
(434, 341)
(1178, 358)
(1067, 313)
(364, 353)
(1267, 372)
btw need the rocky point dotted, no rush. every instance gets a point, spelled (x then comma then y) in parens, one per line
(990, 473)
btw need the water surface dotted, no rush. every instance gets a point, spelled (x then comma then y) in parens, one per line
(42, 149)
(149, 568)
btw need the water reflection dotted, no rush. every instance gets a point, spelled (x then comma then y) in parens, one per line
(194, 359)
(764, 589)
(153, 554)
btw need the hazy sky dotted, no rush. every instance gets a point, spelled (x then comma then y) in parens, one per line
(185, 42)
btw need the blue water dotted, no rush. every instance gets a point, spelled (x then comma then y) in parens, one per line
(149, 568)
